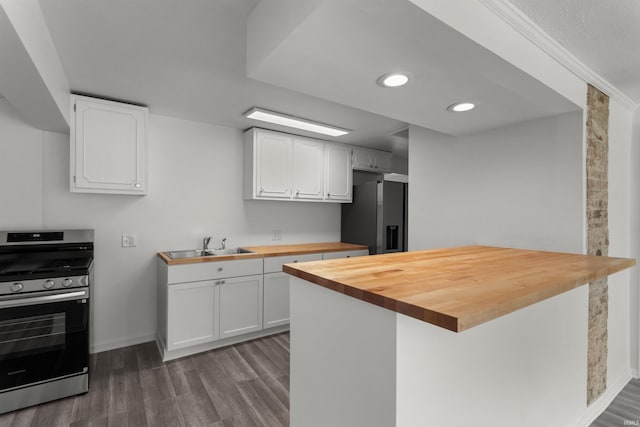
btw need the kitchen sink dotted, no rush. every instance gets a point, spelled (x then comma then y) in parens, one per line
(195, 253)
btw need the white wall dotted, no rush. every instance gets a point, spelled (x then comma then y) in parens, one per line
(620, 124)
(517, 186)
(634, 236)
(195, 189)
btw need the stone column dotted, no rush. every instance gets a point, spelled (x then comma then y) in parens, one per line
(597, 237)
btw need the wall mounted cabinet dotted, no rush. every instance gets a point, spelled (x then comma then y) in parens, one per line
(280, 166)
(371, 160)
(108, 147)
(308, 173)
(338, 173)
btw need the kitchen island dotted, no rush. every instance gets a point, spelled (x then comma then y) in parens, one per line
(374, 342)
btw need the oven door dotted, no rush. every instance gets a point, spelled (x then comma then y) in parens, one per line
(43, 336)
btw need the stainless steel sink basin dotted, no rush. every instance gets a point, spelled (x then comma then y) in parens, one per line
(229, 251)
(195, 253)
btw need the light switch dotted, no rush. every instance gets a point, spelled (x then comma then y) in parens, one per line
(129, 240)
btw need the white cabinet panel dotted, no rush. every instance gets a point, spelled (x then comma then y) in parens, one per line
(240, 305)
(191, 314)
(276, 299)
(338, 172)
(280, 166)
(371, 160)
(345, 254)
(108, 147)
(272, 158)
(213, 270)
(308, 171)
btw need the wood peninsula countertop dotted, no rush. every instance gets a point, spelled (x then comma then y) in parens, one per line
(458, 288)
(268, 251)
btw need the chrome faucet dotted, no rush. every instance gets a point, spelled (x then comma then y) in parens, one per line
(205, 243)
(224, 243)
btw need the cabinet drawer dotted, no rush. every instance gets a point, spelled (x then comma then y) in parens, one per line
(214, 270)
(345, 254)
(274, 264)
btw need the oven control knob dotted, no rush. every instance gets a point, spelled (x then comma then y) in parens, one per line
(48, 284)
(67, 282)
(17, 287)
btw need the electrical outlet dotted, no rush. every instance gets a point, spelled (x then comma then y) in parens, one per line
(129, 240)
(276, 234)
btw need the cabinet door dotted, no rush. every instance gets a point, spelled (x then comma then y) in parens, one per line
(276, 299)
(191, 314)
(382, 161)
(308, 161)
(240, 305)
(108, 147)
(338, 173)
(274, 153)
(362, 159)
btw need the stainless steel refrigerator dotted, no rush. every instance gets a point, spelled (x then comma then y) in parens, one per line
(377, 217)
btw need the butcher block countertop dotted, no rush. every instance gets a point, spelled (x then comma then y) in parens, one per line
(269, 251)
(458, 288)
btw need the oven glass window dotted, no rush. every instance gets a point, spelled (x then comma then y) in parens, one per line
(33, 334)
(43, 341)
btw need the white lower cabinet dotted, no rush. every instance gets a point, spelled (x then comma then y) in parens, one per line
(276, 299)
(240, 305)
(192, 314)
(207, 305)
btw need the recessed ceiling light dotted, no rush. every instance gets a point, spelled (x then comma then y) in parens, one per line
(394, 79)
(461, 106)
(293, 122)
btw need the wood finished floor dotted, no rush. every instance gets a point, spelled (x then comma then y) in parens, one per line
(624, 410)
(243, 385)
(246, 384)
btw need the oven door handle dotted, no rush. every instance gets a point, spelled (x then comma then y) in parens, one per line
(68, 296)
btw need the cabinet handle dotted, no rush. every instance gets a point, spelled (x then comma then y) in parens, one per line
(297, 193)
(219, 268)
(222, 282)
(295, 260)
(261, 190)
(137, 185)
(328, 194)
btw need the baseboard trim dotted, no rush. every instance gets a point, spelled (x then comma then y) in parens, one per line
(592, 412)
(635, 373)
(114, 344)
(187, 351)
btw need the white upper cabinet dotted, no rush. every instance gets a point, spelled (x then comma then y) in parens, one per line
(108, 147)
(308, 173)
(338, 172)
(371, 160)
(274, 156)
(280, 166)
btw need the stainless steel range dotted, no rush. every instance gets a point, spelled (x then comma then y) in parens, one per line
(44, 315)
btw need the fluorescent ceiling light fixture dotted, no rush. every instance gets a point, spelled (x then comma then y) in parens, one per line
(294, 122)
(394, 79)
(461, 106)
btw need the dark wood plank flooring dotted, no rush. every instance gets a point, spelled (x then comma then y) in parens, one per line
(624, 410)
(245, 384)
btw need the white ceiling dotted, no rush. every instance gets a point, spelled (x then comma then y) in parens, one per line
(337, 49)
(187, 59)
(603, 34)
